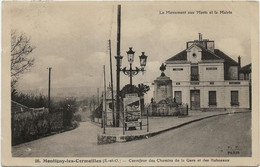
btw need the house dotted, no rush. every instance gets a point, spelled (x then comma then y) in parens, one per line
(245, 72)
(206, 78)
(109, 105)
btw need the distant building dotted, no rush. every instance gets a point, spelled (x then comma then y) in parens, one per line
(245, 72)
(206, 78)
(109, 106)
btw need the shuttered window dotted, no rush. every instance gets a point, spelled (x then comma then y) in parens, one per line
(194, 73)
(212, 98)
(234, 98)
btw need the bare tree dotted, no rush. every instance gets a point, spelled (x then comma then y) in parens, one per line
(20, 60)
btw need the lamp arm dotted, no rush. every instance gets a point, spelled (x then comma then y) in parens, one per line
(134, 72)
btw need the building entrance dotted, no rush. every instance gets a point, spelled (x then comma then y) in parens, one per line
(195, 99)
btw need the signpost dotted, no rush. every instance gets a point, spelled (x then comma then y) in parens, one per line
(132, 111)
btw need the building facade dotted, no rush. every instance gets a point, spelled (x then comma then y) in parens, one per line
(206, 78)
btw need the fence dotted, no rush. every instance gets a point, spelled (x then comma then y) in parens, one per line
(164, 109)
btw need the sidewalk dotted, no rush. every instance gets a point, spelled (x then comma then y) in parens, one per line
(156, 125)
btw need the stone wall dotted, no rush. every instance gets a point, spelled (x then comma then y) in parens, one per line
(164, 109)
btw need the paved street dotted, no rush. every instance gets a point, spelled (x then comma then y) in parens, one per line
(227, 135)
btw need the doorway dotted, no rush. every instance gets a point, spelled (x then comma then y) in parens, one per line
(194, 99)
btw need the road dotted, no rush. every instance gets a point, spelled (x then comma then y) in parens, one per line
(221, 136)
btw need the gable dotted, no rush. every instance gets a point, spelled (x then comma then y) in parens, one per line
(194, 53)
(194, 46)
(204, 54)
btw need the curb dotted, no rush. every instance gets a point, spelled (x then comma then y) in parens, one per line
(108, 139)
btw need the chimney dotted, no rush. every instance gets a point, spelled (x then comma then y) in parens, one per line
(239, 61)
(200, 37)
(239, 66)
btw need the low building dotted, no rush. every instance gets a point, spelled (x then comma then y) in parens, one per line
(110, 106)
(245, 74)
(206, 78)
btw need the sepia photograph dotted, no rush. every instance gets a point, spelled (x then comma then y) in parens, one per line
(130, 83)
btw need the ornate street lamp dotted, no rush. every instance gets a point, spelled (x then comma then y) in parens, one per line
(120, 59)
(130, 72)
(130, 55)
(143, 59)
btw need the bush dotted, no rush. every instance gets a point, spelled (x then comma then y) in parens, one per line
(32, 101)
(97, 113)
(77, 117)
(74, 124)
(31, 125)
(69, 107)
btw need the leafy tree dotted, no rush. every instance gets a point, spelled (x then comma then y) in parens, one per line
(69, 107)
(143, 89)
(128, 89)
(20, 60)
(140, 90)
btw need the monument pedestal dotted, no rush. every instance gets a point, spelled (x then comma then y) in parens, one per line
(162, 88)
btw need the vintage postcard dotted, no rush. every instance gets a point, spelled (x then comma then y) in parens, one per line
(141, 83)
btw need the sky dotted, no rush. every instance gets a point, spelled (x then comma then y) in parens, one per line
(72, 38)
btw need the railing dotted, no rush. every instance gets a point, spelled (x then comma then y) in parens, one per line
(194, 77)
(234, 103)
(212, 103)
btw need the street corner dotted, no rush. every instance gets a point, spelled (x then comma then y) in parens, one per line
(108, 139)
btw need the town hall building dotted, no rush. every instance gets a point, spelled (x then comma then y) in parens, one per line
(206, 78)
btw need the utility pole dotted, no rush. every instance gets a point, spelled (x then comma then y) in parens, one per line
(118, 65)
(98, 97)
(93, 98)
(147, 119)
(112, 87)
(104, 102)
(49, 89)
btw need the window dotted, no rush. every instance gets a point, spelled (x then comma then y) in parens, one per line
(211, 68)
(241, 76)
(247, 77)
(212, 98)
(177, 69)
(194, 73)
(178, 98)
(233, 73)
(234, 98)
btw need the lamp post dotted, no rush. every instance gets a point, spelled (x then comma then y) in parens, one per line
(132, 72)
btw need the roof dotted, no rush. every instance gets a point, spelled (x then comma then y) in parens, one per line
(227, 59)
(206, 54)
(17, 107)
(180, 56)
(246, 69)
